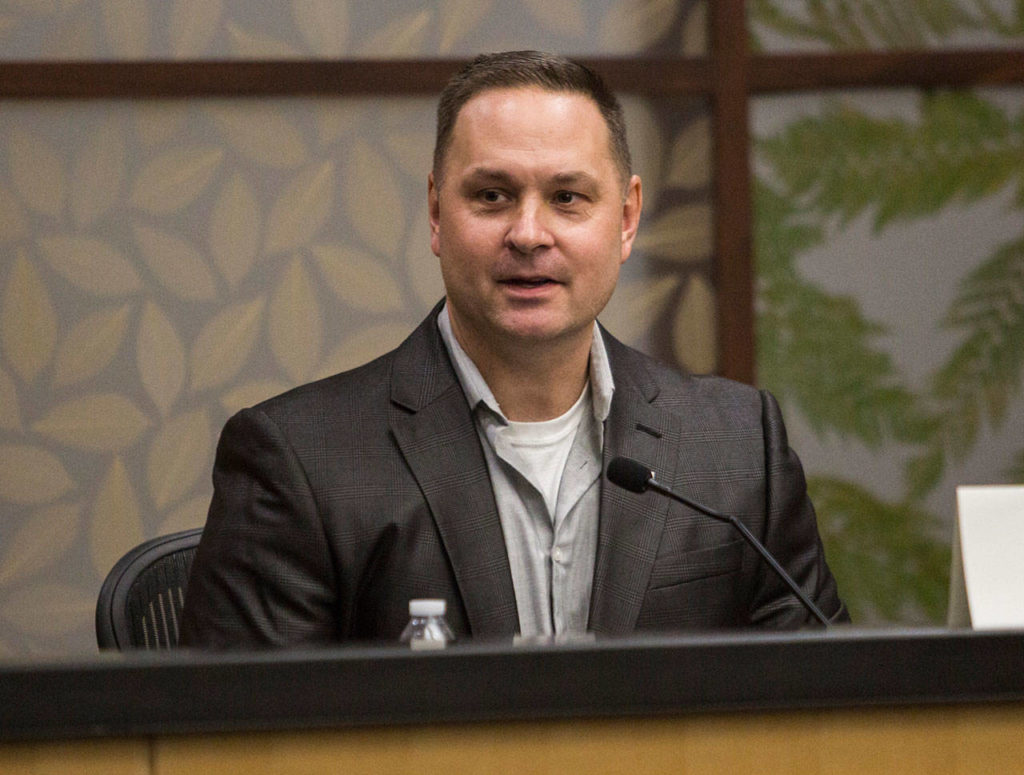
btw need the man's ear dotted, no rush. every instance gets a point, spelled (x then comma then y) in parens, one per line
(434, 211)
(632, 204)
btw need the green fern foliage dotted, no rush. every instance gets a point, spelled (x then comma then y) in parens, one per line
(873, 24)
(846, 162)
(819, 352)
(990, 310)
(881, 553)
(998, 19)
(984, 372)
(1015, 473)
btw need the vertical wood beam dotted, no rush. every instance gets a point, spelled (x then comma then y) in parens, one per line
(733, 228)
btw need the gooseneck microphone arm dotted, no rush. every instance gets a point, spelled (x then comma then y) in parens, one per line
(636, 477)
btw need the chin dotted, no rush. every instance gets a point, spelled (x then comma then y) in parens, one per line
(539, 331)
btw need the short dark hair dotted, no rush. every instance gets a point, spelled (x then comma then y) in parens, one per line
(519, 69)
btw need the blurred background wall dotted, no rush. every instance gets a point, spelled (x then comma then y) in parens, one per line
(165, 261)
(889, 234)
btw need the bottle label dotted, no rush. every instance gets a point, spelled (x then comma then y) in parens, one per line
(426, 644)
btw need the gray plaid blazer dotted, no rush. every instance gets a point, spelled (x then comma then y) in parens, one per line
(337, 502)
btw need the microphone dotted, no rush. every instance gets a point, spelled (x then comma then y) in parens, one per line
(636, 477)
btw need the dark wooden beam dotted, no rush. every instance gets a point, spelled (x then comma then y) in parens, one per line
(733, 228)
(243, 78)
(920, 69)
(661, 76)
(265, 78)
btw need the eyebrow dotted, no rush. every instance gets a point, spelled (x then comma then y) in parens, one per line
(489, 175)
(575, 179)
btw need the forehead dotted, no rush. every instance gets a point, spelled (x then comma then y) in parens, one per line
(497, 95)
(531, 120)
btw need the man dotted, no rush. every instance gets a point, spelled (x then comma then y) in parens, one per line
(466, 464)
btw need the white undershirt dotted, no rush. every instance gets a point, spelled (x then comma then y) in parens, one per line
(551, 555)
(543, 447)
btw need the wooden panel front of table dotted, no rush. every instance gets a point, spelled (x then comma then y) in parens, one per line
(958, 724)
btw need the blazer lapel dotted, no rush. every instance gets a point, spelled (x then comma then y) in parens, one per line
(630, 525)
(434, 430)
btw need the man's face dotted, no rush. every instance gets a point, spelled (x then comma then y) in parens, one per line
(531, 220)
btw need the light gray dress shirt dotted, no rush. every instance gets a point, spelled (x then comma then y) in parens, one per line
(551, 555)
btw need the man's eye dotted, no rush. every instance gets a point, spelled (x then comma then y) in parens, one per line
(490, 196)
(566, 197)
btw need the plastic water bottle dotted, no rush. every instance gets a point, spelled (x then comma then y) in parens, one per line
(427, 628)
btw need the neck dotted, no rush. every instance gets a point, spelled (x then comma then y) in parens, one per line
(533, 381)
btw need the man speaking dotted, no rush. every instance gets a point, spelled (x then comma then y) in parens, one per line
(467, 463)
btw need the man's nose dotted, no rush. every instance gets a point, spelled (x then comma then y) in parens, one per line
(529, 229)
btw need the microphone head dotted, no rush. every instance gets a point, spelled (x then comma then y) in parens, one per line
(629, 474)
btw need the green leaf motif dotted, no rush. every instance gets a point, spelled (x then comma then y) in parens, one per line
(847, 162)
(894, 24)
(984, 373)
(908, 581)
(1015, 473)
(818, 350)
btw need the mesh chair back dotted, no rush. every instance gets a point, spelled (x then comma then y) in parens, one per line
(140, 602)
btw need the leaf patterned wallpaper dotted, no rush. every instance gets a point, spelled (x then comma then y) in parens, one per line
(890, 252)
(164, 263)
(838, 25)
(282, 29)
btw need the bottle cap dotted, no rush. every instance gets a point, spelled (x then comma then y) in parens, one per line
(428, 607)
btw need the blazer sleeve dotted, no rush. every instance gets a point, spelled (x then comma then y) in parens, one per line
(263, 574)
(791, 535)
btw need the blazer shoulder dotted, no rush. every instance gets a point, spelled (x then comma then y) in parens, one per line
(674, 387)
(410, 375)
(359, 386)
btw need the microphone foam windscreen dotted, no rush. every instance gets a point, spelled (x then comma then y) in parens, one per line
(629, 474)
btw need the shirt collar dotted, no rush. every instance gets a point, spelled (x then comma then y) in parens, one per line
(475, 387)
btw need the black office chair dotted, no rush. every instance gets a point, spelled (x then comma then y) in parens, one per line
(140, 601)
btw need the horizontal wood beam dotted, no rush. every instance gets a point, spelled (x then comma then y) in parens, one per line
(921, 69)
(227, 78)
(271, 78)
(663, 76)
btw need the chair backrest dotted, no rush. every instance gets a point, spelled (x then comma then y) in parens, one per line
(140, 601)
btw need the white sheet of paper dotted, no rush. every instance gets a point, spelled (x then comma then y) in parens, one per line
(987, 579)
